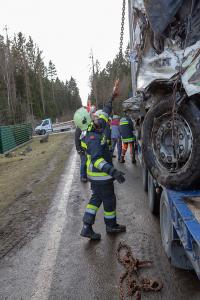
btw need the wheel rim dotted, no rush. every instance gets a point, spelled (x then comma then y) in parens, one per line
(172, 142)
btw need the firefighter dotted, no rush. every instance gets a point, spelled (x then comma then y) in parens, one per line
(128, 137)
(81, 152)
(80, 147)
(107, 131)
(100, 172)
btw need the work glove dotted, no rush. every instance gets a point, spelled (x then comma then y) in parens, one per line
(118, 175)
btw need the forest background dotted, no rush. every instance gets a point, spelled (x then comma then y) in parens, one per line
(31, 91)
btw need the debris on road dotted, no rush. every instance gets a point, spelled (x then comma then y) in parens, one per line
(135, 284)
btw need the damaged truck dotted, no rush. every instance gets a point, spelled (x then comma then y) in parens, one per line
(165, 70)
(165, 59)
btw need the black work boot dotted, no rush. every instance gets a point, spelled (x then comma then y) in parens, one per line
(116, 228)
(133, 160)
(88, 232)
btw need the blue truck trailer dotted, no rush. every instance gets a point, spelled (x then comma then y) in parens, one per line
(165, 107)
(179, 220)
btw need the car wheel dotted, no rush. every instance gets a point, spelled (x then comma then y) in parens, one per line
(43, 131)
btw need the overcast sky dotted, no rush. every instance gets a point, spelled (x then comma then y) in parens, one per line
(67, 30)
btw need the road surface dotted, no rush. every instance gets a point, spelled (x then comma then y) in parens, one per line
(57, 263)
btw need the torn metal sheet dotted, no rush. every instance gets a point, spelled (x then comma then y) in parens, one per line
(168, 64)
(161, 12)
(191, 77)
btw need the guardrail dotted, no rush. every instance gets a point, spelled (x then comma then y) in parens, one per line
(14, 135)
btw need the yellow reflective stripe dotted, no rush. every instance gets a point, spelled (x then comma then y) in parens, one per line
(90, 165)
(97, 174)
(128, 139)
(88, 161)
(90, 127)
(83, 145)
(110, 213)
(90, 206)
(103, 117)
(97, 162)
(123, 123)
(108, 141)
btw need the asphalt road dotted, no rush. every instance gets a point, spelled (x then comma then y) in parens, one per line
(57, 263)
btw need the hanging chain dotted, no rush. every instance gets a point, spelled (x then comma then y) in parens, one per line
(121, 34)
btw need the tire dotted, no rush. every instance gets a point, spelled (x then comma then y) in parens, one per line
(43, 132)
(153, 197)
(166, 226)
(144, 177)
(173, 171)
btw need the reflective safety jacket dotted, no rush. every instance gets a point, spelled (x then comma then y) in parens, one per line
(95, 141)
(126, 129)
(99, 159)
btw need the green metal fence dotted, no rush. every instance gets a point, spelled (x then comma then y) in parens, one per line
(13, 136)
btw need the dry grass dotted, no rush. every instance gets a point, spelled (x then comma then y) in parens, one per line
(19, 173)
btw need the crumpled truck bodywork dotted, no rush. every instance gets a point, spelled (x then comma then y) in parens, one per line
(160, 57)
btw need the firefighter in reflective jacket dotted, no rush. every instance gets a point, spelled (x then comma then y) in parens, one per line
(100, 172)
(128, 138)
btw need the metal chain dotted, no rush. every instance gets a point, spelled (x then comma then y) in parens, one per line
(135, 284)
(122, 34)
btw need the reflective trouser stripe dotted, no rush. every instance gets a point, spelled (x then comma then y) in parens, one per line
(110, 215)
(123, 123)
(91, 206)
(91, 209)
(128, 140)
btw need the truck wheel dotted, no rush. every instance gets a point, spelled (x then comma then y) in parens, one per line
(165, 224)
(144, 177)
(153, 197)
(170, 145)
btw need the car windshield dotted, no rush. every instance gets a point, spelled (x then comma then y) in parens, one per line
(46, 122)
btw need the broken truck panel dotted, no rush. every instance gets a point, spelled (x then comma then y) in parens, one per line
(160, 58)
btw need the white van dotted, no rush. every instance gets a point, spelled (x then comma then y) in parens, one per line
(47, 126)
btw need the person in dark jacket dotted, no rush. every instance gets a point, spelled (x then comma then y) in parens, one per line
(100, 172)
(81, 152)
(128, 138)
